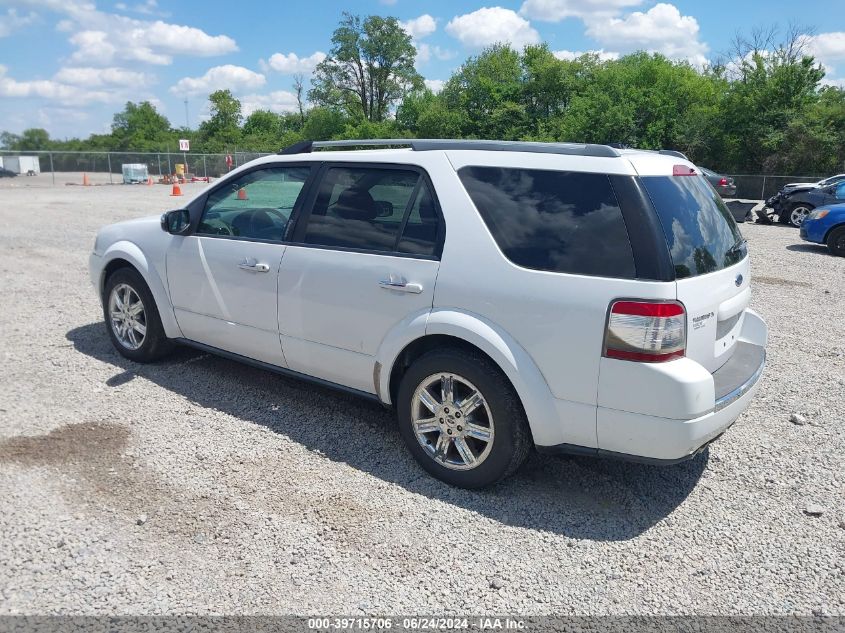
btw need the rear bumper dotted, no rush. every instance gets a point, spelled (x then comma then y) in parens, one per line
(698, 406)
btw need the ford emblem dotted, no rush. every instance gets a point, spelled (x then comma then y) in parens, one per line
(738, 281)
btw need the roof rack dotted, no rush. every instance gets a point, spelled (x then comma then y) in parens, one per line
(673, 152)
(428, 144)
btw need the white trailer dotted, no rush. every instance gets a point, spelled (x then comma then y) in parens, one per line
(22, 164)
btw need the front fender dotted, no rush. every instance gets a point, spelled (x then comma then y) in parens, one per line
(512, 359)
(130, 252)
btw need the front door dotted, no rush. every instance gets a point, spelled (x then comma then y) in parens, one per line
(365, 259)
(223, 278)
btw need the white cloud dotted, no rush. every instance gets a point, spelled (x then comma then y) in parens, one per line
(420, 27)
(661, 29)
(602, 54)
(829, 51)
(435, 85)
(11, 21)
(827, 46)
(53, 90)
(148, 7)
(292, 63)
(557, 10)
(276, 101)
(87, 76)
(491, 25)
(101, 38)
(217, 78)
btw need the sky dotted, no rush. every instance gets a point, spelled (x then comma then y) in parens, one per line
(69, 65)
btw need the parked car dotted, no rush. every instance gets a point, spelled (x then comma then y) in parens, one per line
(793, 208)
(826, 226)
(724, 185)
(780, 202)
(7, 173)
(832, 180)
(577, 298)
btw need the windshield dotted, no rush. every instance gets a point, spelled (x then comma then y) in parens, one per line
(830, 181)
(700, 231)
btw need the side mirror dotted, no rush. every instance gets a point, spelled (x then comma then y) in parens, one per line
(176, 222)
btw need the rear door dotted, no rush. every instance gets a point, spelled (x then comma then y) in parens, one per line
(364, 258)
(710, 260)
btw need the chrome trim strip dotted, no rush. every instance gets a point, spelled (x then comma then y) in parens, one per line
(730, 398)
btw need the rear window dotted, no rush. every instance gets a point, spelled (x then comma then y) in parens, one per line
(700, 230)
(567, 222)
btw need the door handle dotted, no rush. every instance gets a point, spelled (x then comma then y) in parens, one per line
(401, 286)
(252, 266)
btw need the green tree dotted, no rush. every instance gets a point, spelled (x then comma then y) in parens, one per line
(222, 130)
(322, 124)
(139, 126)
(369, 69)
(487, 92)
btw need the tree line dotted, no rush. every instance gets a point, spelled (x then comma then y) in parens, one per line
(764, 109)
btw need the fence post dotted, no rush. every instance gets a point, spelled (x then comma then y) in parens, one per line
(108, 157)
(204, 167)
(158, 157)
(763, 192)
(52, 171)
(169, 168)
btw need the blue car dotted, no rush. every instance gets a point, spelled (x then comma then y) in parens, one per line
(826, 225)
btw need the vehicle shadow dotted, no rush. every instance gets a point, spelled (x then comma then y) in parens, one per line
(808, 248)
(578, 497)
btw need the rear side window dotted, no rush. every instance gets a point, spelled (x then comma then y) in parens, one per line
(700, 231)
(373, 209)
(567, 222)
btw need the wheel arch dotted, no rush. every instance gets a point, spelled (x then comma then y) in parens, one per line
(451, 328)
(833, 228)
(125, 254)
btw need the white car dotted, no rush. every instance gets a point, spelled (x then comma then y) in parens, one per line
(577, 298)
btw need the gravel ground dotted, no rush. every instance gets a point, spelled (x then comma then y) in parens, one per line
(198, 485)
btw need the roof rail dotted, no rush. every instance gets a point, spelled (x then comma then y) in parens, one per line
(427, 144)
(673, 152)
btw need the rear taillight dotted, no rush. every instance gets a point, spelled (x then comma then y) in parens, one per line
(683, 170)
(646, 331)
(723, 182)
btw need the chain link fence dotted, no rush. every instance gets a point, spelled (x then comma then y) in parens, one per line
(68, 167)
(100, 168)
(763, 187)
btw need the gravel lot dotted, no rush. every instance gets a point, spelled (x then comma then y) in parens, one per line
(198, 485)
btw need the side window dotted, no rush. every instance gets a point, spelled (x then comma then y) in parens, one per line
(361, 207)
(567, 222)
(420, 234)
(256, 206)
(839, 191)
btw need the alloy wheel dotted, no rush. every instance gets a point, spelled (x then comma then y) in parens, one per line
(798, 215)
(127, 315)
(452, 421)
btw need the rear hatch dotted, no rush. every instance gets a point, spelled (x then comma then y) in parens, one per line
(710, 260)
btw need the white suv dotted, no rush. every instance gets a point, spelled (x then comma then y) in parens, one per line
(579, 298)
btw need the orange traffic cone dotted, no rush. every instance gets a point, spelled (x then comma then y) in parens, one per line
(242, 194)
(176, 190)
(85, 181)
(149, 181)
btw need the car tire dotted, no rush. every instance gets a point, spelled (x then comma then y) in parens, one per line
(495, 413)
(836, 241)
(136, 332)
(796, 214)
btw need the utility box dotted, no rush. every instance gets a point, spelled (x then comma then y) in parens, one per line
(135, 173)
(22, 164)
